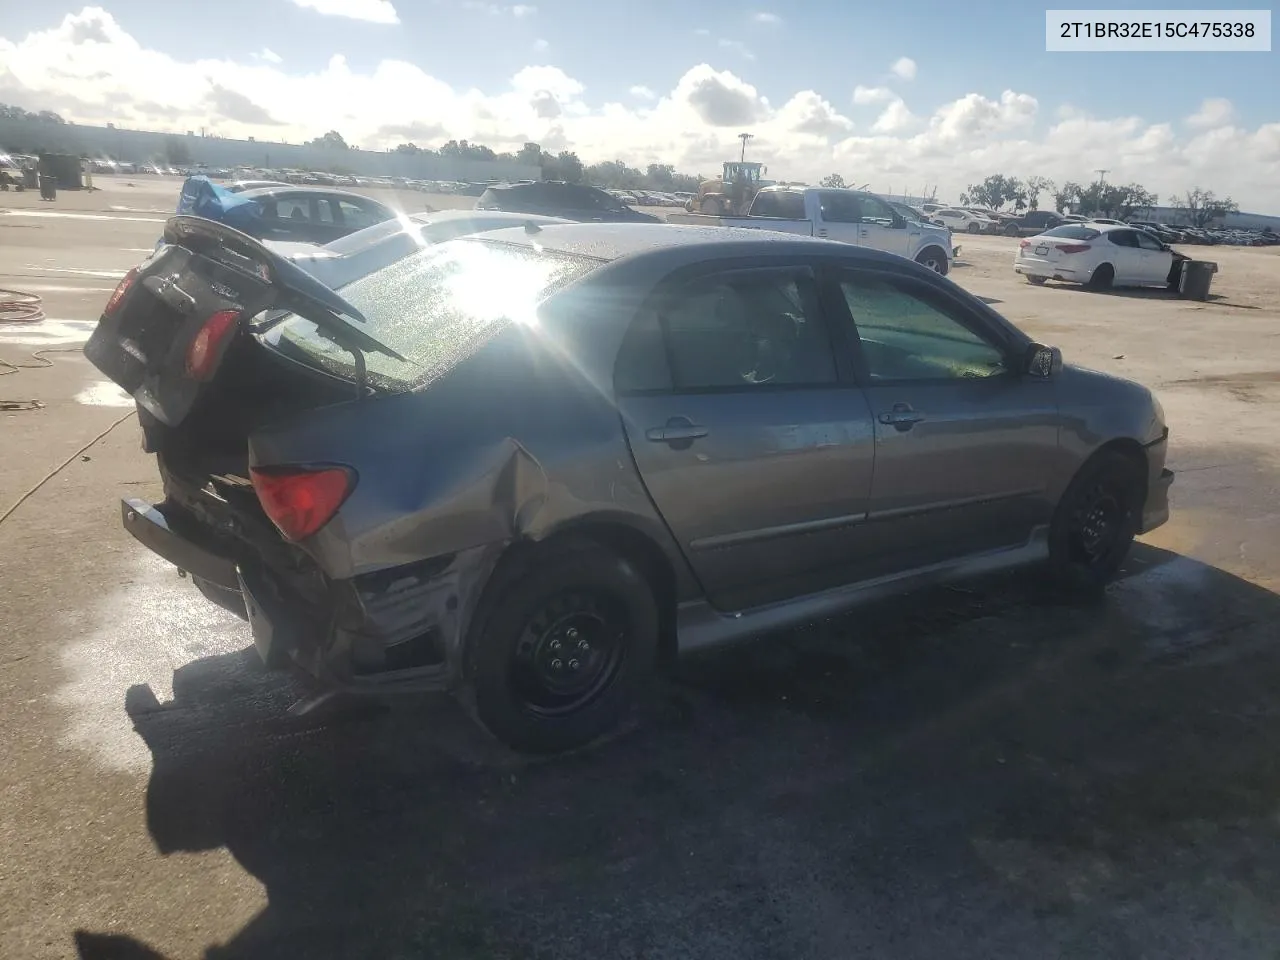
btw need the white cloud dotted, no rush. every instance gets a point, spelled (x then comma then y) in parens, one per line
(736, 46)
(895, 118)
(702, 32)
(375, 11)
(89, 69)
(520, 10)
(1213, 112)
(642, 93)
(540, 45)
(904, 68)
(865, 95)
(771, 19)
(269, 55)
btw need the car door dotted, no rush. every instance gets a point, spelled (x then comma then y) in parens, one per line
(755, 451)
(1157, 259)
(1125, 255)
(965, 441)
(837, 215)
(880, 228)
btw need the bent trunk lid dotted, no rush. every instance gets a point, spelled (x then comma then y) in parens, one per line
(203, 268)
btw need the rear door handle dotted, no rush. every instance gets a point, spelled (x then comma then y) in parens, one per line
(677, 429)
(901, 416)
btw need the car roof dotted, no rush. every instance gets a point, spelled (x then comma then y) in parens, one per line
(676, 243)
(303, 189)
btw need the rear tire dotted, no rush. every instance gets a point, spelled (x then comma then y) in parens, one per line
(1011, 231)
(1038, 281)
(712, 207)
(1095, 522)
(1102, 277)
(566, 649)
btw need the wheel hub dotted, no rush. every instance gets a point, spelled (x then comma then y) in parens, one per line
(567, 655)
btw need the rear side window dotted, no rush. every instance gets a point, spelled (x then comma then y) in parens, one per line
(744, 330)
(1123, 238)
(1073, 231)
(439, 305)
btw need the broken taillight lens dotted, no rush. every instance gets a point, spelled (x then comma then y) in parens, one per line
(113, 303)
(301, 500)
(202, 355)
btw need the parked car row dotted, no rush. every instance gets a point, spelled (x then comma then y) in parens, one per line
(651, 198)
(480, 466)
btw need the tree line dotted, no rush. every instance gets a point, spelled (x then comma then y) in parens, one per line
(565, 165)
(1099, 198)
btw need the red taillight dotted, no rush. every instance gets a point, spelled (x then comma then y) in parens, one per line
(1023, 244)
(1073, 247)
(298, 500)
(202, 355)
(121, 289)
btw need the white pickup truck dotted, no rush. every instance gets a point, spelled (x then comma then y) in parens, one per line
(846, 215)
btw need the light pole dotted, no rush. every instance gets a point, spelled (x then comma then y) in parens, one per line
(744, 137)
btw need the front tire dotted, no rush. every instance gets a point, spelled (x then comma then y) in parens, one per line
(934, 259)
(1033, 279)
(974, 228)
(567, 648)
(1096, 522)
(712, 207)
(1011, 231)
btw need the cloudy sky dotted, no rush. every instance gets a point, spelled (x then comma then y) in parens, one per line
(894, 95)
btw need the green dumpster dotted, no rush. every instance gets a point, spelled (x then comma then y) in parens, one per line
(1196, 277)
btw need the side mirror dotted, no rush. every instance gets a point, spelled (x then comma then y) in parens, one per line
(1043, 361)
(899, 222)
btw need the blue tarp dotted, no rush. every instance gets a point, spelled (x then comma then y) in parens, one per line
(201, 197)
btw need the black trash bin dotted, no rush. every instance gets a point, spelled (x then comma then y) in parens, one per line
(48, 187)
(1196, 277)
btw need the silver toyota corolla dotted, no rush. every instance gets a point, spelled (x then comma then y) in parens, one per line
(518, 462)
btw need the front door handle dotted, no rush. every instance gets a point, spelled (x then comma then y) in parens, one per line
(677, 430)
(902, 416)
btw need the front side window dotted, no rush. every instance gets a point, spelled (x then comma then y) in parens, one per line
(1147, 242)
(746, 329)
(875, 210)
(905, 334)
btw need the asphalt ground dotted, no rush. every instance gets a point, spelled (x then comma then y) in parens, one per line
(974, 772)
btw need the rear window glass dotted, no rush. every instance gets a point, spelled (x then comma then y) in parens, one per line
(1073, 231)
(438, 306)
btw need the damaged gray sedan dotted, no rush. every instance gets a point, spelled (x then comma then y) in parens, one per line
(519, 464)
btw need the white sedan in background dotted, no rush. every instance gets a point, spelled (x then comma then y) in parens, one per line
(1099, 255)
(963, 221)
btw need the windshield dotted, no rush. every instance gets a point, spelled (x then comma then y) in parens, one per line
(1072, 231)
(436, 307)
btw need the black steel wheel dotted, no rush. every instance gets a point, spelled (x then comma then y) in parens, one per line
(1096, 521)
(563, 646)
(569, 652)
(1033, 279)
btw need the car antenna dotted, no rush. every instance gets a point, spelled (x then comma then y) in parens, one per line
(531, 227)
